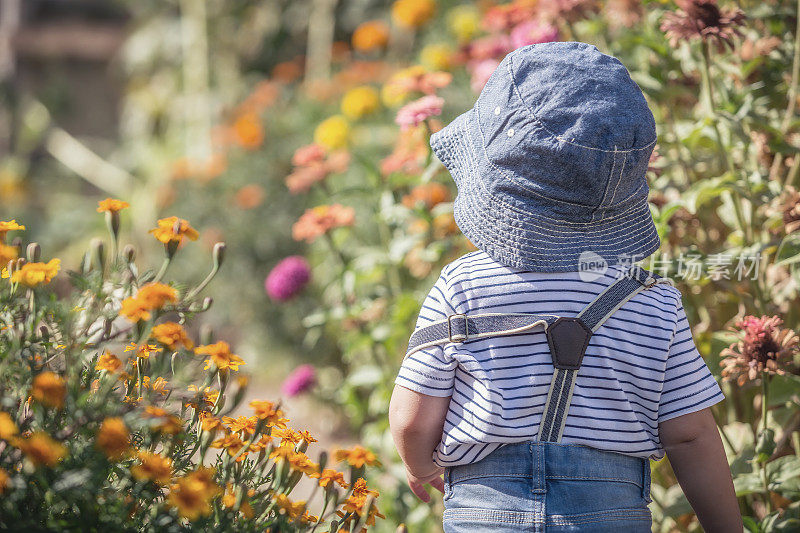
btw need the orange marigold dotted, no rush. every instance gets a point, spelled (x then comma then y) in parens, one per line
(429, 194)
(371, 35)
(174, 229)
(413, 13)
(8, 429)
(191, 494)
(49, 389)
(156, 295)
(329, 476)
(111, 205)
(220, 355)
(320, 219)
(357, 457)
(7, 253)
(9, 225)
(33, 274)
(241, 423)
(42, 450)
(108, 362)
(266, 410)
(153, 467)
(248, 131)
(172, 335)
(113, 438)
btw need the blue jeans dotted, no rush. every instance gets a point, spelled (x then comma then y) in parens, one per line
(548, 486)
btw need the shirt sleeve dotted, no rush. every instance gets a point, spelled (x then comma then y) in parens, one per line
(430, 371)
(689, 385)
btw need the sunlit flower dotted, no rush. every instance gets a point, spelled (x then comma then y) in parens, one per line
(481, 72)
(143, 351)
(8, 429)
(111, 205)
(229, 501)
(791, 210)
(357, 500)
(208, 397)
(7, 253)
(268, 411)
(248, 131)
(463, 22)
(191, 494)
(9, 225)
(418, 111)
(333, 133)
(249, 196)
(359, 102)
(41, 449)
(174, 229)
(152, 467)
(113, 438)
(329, 476)
(156, 295)
(357, 457)
(172, 335)
(763, 347)
(313, 164)
(292, 509)
(239, 424)
(703, 19)
(623, 13)
(300, 380)
(503, 17)
(160, 385)
(413, 79)
(370, 35)
(134, 309)
(231, 443)
(410, 150)
(49, 389)
(321, 219)
(108, 362)
(437, 56)
(209, 422)
(533, 32)
(33, 274)
(288, 278)
(412, 14)
(428, 194)
(220, 356)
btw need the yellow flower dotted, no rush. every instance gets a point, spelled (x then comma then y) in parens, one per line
(357, 457)
(3, 480)
(266, 410)
(134, 309)
(153, 467)
(8, 429)
(359, 102)
(6, 226)
(292, 509)
(7, 253)
(42, 450)
(171, 335)
(174, 229)
(108, 362)
(463, 22)
(142, 351)
(232, 443)
(241, 423)
(229, 501)
(156, 295)
(437, 57)
(333, 133)
(329, 476)
(111, 205)
(33, 274)
(113, 438)
(191, 494)
(49, 389)
(209, 422)
(412, 14)
(357, 500)
(220, 355)
(371, 35)
(301, 463)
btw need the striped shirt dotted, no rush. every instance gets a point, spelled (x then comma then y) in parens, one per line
(641, 366)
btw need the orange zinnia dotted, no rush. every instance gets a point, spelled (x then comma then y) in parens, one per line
(319, 220)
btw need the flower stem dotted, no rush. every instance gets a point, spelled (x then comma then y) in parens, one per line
(763, 464)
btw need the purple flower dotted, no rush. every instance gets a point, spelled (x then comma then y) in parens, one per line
(418, 111)
(300, 380)
(533, 32)
(287, 278)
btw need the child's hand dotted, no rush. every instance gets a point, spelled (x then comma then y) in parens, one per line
(433, 478)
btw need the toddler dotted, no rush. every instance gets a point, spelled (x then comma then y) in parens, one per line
(546, 369)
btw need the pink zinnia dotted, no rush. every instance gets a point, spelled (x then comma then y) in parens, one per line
(300, 380)
(287, 278)
(533, 32)
(481, 72)
(418, 111)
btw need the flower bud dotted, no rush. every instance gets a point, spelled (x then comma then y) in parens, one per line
(402, 529)
(98, 253)
(206, 334)
(129, 253)
(33, 252)
(207, 301)
(219, 254)
(16, 242)
(112, 221)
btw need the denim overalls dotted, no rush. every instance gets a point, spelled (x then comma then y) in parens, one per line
(545, 485)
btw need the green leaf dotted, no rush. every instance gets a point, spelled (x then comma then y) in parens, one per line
(789, 250)
(706, 190)
(747, 484)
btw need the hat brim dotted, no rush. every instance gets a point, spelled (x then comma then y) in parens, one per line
(530, 240)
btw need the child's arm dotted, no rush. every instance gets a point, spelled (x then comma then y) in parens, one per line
(417, 422)
(695, 451)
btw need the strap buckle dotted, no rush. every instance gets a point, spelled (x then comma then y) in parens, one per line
(450, 328)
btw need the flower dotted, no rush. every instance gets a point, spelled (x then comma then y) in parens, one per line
(359, 102)
(764, 347)
(493, 46)
(247, 131)
(438, 56)
(246, 424)
(287, 278)
(8, 253)
(33, 274)
(321, 219)
(111, 205)
(232, 443)
(791, 210)
(8, 429)
(533, 32)
(329, 476)
(413, 79)
(623, 13)
(409, 152)
(463, 22)
(268, 411)
(358, 499)
(220, 356)
(418, 111)
(503, 17)
(108, 362)
(249, 196)
(300, 380)
(4, 480)
(292, 509)
(412, 14)
(333, 132)
(702, 19)
(49, 389)
(174, 229)
(42, 450)
(429, 194)
(357, 457)
(134, 309)
(229, 501)
(9, 225)
(481, 72)
(370, 35)
(209, 422)
(568, 10)
(313, 164)
(113, 438)
(191, 494)
(153, 467)
(172, 335)
(143, 351)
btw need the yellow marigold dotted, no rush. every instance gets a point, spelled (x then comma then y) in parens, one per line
(156, 295)
(209, 422)
(229, 501)
(108, 362)
(33, 274)
(412, 14)
(357, 457)
(171, 335)
(208, 397)
(247, 131)
(7, 253)
(266, 410)
(358, 498)
(329, 476)
(320, 219)
(220, 355)
(191, 494)
(160, 386)
(42, 450)
(153, 467)
(333, 133)
(49, 389)
(174, 229)
(9, 225)
(4, 479)
(300, 462)
(263, 442)
(111, 205)
(240, 423)
(437, 56)
(113, 438)
(8, 429)
(371, 35)
(292, 509)
(463, 22)
(143, 351)
(359, 102)
(134, 309)
(231, 443)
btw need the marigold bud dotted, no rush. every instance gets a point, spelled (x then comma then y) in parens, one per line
(33, 252)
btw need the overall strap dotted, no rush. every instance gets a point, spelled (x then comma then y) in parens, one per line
(568, 338)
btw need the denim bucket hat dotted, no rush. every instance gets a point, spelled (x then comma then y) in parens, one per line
(550, 162)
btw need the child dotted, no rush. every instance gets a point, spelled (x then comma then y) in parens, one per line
(541, 423)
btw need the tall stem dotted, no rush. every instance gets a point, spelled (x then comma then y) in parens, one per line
(764, 402)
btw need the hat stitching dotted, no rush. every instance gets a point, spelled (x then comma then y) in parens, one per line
(624, 160)
(608, 182)
(555, 135)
